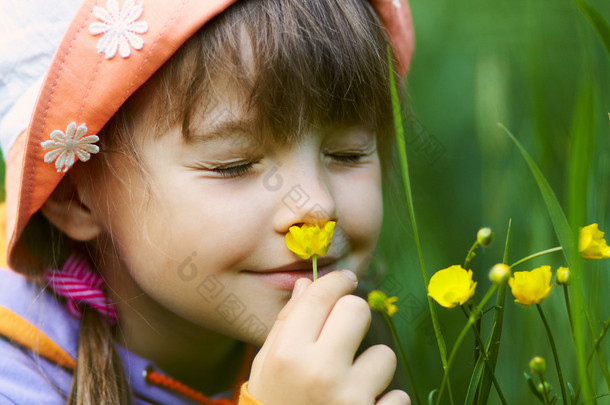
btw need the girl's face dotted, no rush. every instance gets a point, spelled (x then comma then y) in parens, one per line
(203, 234)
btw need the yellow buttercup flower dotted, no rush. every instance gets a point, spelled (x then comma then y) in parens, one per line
(380, 302)
(308, 240)
(451, 286)
(531, 287)
(563, 276)
(591, 243)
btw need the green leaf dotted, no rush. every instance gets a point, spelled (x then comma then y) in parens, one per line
(582, 139)
(573, 400)
(533, 387)
(558, 218)
(568, 242)
(475, 378)
(431, 396)
(597, 21)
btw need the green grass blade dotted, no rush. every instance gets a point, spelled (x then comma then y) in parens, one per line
(568, 242)
(558, 218)
(597, 21)
(402, 153)
(475, 378)
(582, 139)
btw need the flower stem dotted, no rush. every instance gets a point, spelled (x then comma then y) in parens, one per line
(596, 349)
(538, 254)
(554, 349)
(545, 399)
(483, 353)
(470, 254)
(314, 262)
(471, 320)
(403, 356)
(567, 296)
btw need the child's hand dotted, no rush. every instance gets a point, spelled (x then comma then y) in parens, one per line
(308, 357)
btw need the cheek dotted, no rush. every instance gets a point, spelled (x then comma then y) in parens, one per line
(360, 207)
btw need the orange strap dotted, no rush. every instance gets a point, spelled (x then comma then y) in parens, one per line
(162, 380)
(27, 335)
(24, 333)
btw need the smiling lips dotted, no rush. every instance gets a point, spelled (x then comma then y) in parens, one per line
(284, 277)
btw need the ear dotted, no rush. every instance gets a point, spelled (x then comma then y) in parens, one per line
(69, 211)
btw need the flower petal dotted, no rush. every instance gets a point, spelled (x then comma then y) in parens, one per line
(113, 8)
(88, 139)
(83, 155)
(52, 155)
(135, 41)
(71, 130)
(81, 131)
(111, 45)
(58, 136)
(124, 48)
(96, 28)
(131, 12)
(140, 27)
(102, 14)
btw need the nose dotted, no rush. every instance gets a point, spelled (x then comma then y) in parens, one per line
(306, 198)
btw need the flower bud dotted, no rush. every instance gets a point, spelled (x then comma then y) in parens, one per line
(499, 273)
(538, 365)
(546, 387)
(380, 302)
(485, 236)
(563, 276)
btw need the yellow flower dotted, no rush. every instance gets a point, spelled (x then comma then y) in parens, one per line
(563, 276)
(531, 287)
(451, 286)
(380, 302)
(592, 244)
(309, 240)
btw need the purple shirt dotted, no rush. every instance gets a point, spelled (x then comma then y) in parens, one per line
(28, 379)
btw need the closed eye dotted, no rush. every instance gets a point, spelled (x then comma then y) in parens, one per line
(234, 170)
(351, 157)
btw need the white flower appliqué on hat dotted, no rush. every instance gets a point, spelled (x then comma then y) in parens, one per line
(66, 147)
(119, 27)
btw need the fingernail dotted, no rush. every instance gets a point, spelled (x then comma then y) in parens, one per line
(298, 288)
(349, 274)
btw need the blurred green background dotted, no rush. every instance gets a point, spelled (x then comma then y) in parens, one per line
(540, 68)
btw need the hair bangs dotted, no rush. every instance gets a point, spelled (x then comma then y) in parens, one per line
(308, 64)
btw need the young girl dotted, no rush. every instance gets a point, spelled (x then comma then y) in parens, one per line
(171, 147)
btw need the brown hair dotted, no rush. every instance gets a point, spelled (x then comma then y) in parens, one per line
(314, 62)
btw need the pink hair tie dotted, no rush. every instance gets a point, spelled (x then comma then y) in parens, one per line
(77, 282)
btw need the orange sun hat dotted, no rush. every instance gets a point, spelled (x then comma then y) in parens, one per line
(107, 52)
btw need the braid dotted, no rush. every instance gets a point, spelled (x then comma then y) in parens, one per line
(99, 377)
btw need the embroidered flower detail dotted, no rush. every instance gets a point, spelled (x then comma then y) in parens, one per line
(396, 3)
(119, 28)
(65, 147)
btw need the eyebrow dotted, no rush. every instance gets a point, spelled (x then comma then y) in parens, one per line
(224, 129)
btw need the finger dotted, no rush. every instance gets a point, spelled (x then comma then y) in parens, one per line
(345, 327)
(300, 286)
(311, 308)
(374, 369)
(395, 397)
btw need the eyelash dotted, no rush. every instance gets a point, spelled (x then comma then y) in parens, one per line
(234, 171)
(351, 158)
(244, 168)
